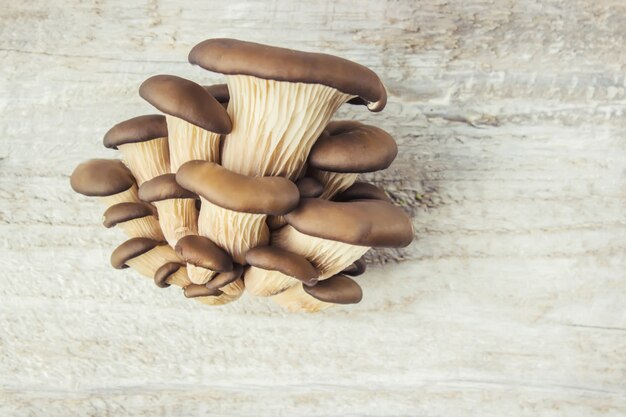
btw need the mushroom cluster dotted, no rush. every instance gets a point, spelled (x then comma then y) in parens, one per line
(249, 185)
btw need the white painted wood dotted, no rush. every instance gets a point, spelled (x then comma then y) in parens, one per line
(510, 117)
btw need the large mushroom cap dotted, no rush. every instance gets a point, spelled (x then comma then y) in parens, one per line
(338, 289)
(101, 178)
(163, 187)
(137, 129)
(186, 100)
(235, 57)
(222, 187)
(123, 212)
(309, 187)
(130, 249)
(362, 191)
(362, 223)
(201, 251)
(164, 272)
(219, 91)
(272, 258)
(353, 147)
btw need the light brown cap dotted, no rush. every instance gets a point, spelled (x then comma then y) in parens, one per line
(163, 187)
(137, 129)
(123, 212)
(231, 56)
(357, 268)
(197, 290)
(219, 91)
(338, 289)
(227, 189)
(164, 272)
(309, 187)
(272, 258)
(362, 191)
(362, 223)
(201, 251)
(352, 147)
(131, 249)
(224, 278)
(186, 100)
(101, 178)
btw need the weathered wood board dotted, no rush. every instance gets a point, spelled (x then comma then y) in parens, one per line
(510, 118)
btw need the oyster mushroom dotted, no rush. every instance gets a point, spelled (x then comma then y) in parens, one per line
(195, 119)
(332, 235)
(338, 289)
(357, 268)
(362, 191)
(135, 219)
(176, 206)
(346, 149)
(234, 207)
(228, 287)
(143, 143)
(144, 255)
(108, 179)
(171, 273)
(272, 270)
(204, 258)
(280, 101)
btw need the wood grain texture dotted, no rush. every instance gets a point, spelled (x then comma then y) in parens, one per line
(510, 120)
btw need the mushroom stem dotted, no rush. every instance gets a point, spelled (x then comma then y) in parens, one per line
(147, 226)
(295, 300)
(264, 283)
(188, 142)
(334, 182)
(275, 124)
(146, 160)
(147, 263)
(198, 274)
(128, 196)
(233, 231)
(328, 256)
(178, 217)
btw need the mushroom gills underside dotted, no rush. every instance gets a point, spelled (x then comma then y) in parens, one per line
(146, 160)
(263, 283)
(147, 263)
(128, 196)
(188, 142)
(275, 124)
(296, 300)
(199, 275)
(233, 231)
(178, 217)
(147, 226)
(334, 182)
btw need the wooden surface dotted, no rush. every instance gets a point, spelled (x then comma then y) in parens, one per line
(510, 118)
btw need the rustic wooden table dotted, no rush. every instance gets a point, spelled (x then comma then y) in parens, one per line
(510, 118)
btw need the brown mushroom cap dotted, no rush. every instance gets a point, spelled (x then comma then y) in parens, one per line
(137, 129)
(219, 91)
(224, 278)
(357, 268)
(362, 191)
(123, 212)
(163, 187)
(101, 178)
(338, 289)
(130, 249)
(261, 195)
(309, 187)
(201, 251)
(231, 56)
(186, 100)
(362, 223)
(164, 272)
(352, 147)
(272, 258)
(197, 290)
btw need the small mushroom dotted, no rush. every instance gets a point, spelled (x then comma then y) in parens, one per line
(144, 255)
(357, 268)
(143, 143)
(273, 270)
(171, 273)
(108, 179)
(346, 149)
(362, 191)
(338, 289)
(135, 219)
(195, 119)
(234, 207)
(280, 101)
(176, 206)
(204, 258)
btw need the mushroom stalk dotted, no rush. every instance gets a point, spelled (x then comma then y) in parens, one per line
(189, 142)
(198, 274)
(263, 283)
(146, 160)
(178, 217)
(334, 182)
(128, 196)
(275, 124)
(147, 263)
(296, 300)
(147, 226)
